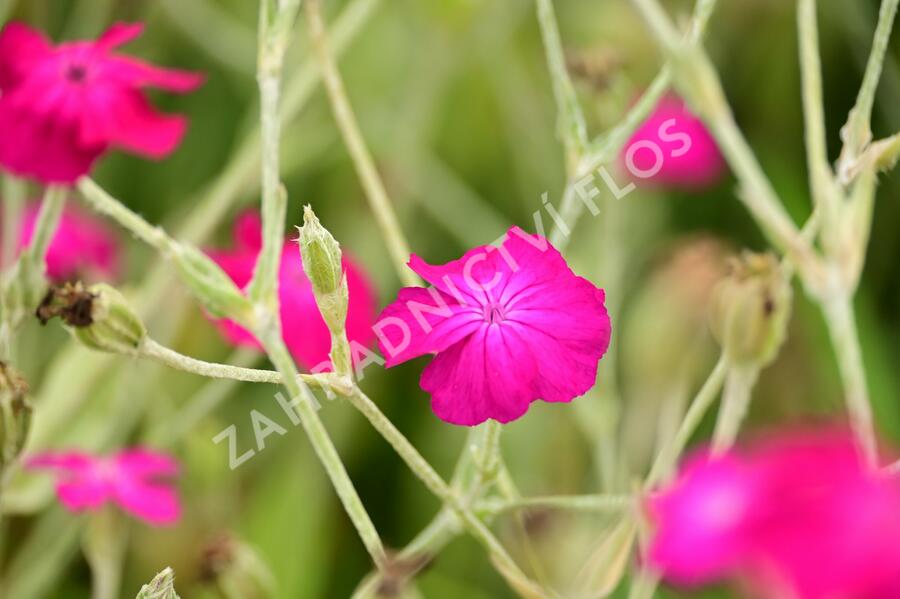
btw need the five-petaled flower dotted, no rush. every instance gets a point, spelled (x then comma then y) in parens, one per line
(303, 328)
(509, 324)
(62, 107)
(137, 480)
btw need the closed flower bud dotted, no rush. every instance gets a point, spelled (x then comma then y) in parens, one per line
(15, 414)
(99, 317)
(751, 309)
(321, 255)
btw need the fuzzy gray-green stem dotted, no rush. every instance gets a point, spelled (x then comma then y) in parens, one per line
(841, 323)
(422, 469)
(359, 152)
(45, 227)
(739, 384)
(12, 194)
(668, 455)
(303, 403)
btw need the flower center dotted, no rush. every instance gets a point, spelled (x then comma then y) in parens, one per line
(76, 73)
(494, 314)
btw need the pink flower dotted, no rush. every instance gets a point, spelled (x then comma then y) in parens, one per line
(704, 520)
(673, 148)
(806, 519)
(82, 248)
(62, 107)
(509, 325)
(134, 479)
(303, 328)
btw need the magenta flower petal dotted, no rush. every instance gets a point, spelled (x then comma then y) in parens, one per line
(63, 107)
(509, 325)
(677, 145)
(797, 515)
(439, 320)
(303, 328)
(20, 49)
(703, 520)
(138, 480)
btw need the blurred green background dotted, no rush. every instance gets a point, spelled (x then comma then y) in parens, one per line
(454, 99)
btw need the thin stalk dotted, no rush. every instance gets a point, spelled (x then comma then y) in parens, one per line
(857, 132)
(603, 504)
(153, 350)
(263, 289)
(821, 177)
(302, 400)
(668, 456)
(433, 481)
(739, 384)
(841, 324)
(47, 221)
(571, 123)
(273, 34)
(346, 120)
(102, 202)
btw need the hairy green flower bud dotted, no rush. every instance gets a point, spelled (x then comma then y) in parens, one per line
(99, 317)
(321, 256)
(15, 414)
(751, 309)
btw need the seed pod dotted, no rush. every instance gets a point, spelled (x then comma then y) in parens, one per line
(751, 308)
(99, 317)
(235, 568)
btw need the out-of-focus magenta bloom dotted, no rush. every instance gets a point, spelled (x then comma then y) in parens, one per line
(137, 480)
(673, 148)
(833, 523)
(704, 520)
(62, 107)
(305, 332)
(83, 247)
(806, 519)
(509, 325)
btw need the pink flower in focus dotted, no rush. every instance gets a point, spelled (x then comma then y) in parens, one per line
(137, 480)
(62, 107)
(304, 330)
(673, 148)
(806, 519)
(509, 325)
(82, 248)
(704, 520)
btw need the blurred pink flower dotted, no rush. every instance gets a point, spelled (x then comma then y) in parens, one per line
(509, 325)
(704, 520)
(806, 519)
(673, 148)
(62, 107)
(137, 480)
(304, 330)
(82, 248)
